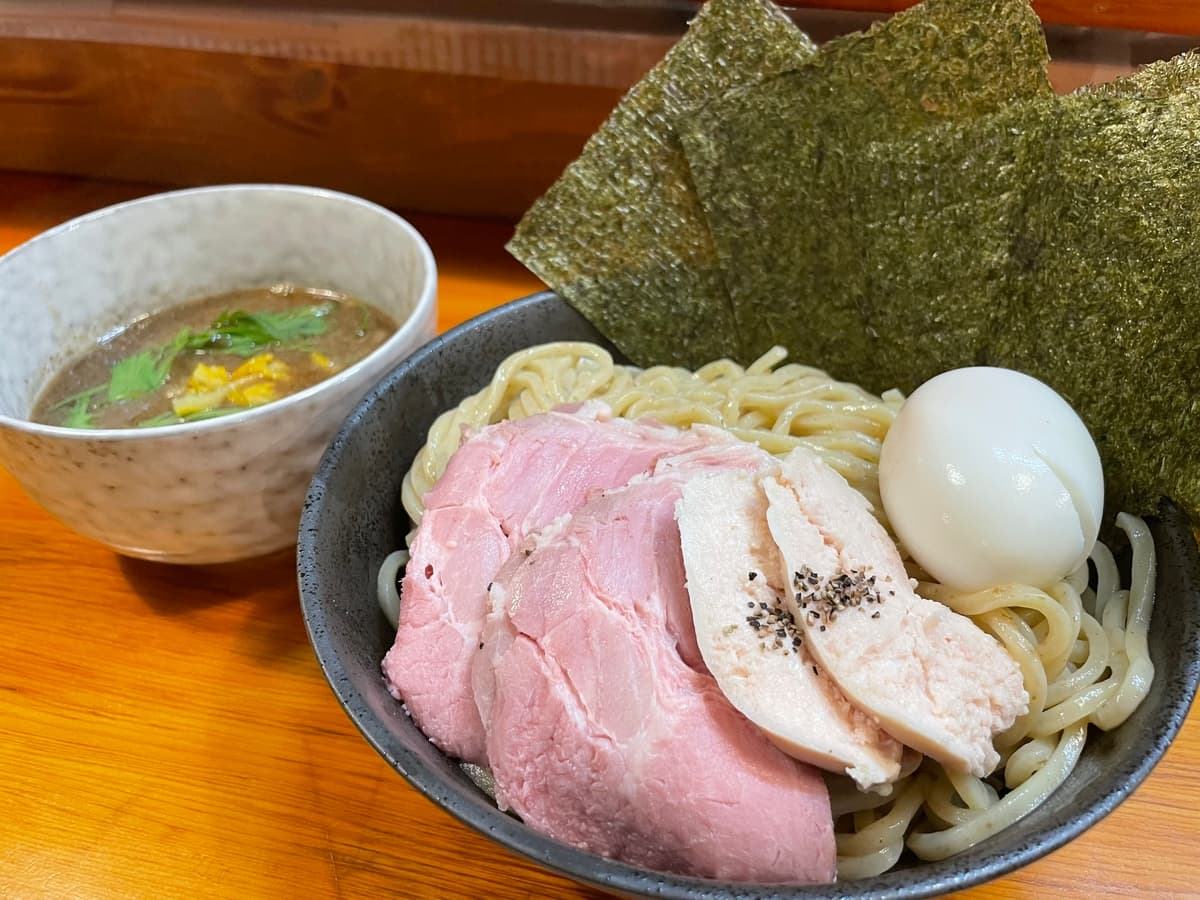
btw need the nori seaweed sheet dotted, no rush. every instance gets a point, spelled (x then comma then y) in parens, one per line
(776, 163)
(927, 260)
(917, 200)
(1158, 79)
(621, 235)
(1059, 237)
(1109, 270)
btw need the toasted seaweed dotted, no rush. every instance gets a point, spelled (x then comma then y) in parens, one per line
(1059, 237)
(928, 298)
(910, 200)
(926, 250)
(1109, 276)
(1158, 79)
(776, 163)
(621, 234)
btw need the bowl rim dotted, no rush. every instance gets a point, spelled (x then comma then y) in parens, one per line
(404, 333)
(938, 878)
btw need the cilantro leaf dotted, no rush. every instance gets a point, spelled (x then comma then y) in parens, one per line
(244, 333)
(80, 415)
(145, 372)
(135, 376)
(87, 395)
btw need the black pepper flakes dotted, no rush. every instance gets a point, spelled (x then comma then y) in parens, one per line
(824, 598)
(772, 621)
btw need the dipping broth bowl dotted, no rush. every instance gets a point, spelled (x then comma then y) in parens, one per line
(353, 518)
(225, 488)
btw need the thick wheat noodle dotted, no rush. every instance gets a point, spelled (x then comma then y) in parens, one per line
(1089, 669)
(1014, 805)
(1058, 610)
(1139, 673)
(1026, 759)
(1065, 638)
(942, 798)
(877, 846)
(777, 406)
(953, 817)
(385, 585)
(1018, 639)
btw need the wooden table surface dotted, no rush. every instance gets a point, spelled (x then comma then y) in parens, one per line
(166, 732)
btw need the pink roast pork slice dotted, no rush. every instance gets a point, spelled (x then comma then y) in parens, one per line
(605, 732)
(505, 481)
(930, 677)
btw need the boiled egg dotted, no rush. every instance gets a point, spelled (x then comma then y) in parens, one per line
(990, 477)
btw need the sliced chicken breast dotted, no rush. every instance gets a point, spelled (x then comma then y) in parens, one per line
(750, 642)
(930, 677)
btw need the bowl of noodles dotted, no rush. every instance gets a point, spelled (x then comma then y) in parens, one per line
(1113, 651)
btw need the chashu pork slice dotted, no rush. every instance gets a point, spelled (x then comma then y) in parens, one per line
(505, 481)
(604, 734)
(929, 676)
(750, 642)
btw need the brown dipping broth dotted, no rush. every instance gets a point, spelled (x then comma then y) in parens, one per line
(354, 328)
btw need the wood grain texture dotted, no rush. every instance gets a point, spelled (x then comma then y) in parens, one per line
(167, 732)
(421, 110)
(421, 140)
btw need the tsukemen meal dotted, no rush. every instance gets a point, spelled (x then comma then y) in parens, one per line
(714, 614)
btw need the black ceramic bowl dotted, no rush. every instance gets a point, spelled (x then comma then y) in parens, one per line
(353, 518)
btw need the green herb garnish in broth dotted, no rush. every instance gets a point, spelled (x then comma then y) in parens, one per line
(140, 373)
(213, 357)
(78, 416)
(170, 418)
(245, 333)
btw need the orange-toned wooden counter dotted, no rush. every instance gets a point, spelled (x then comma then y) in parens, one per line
(165, 732)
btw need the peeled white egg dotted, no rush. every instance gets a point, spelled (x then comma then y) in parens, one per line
(990, 477)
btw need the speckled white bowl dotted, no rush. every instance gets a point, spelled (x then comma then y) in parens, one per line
(215, 490)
